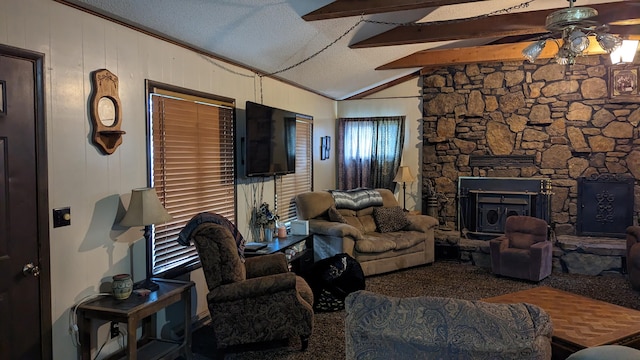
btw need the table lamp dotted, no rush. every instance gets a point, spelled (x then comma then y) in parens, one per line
(145, 210)
(404, 176)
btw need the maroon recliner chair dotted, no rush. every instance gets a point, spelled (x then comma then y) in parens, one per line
(524, 251)
(633, 256)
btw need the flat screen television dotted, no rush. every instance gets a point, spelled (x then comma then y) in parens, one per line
(270, 140)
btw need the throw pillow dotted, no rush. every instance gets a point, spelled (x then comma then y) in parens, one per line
(390, 219)
(335, 216)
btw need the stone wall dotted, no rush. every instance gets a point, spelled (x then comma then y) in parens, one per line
(561, 115)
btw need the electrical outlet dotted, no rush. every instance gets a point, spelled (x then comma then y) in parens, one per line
(115, 331)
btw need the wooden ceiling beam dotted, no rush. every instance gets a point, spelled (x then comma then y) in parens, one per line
(345, 8)
(514, 24)
(479, 54)
(494, 26)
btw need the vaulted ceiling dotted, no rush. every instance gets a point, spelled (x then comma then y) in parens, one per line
(349, 48)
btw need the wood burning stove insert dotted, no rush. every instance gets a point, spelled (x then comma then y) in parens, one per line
(485, 203)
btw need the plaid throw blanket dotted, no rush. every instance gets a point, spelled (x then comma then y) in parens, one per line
(356, 199)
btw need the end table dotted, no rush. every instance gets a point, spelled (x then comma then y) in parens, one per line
(138, 310)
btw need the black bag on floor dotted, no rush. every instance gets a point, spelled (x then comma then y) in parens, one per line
(332, 279)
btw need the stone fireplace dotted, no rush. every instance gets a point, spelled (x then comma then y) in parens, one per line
(522, 120)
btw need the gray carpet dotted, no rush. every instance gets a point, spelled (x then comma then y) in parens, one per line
(448, 279)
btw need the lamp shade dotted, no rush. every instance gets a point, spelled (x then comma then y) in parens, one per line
(145, 209)
(404, 175)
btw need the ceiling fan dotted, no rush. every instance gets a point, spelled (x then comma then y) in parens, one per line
(575, 26)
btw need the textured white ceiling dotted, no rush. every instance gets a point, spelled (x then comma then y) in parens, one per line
(270, 35)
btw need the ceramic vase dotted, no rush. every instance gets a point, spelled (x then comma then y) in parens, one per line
(122, 286)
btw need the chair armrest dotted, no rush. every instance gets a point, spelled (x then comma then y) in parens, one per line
(498, 244)
(264, 265)
(252, 288)
(541, 246)
(540, 251)
(324, 227)
(422, 223)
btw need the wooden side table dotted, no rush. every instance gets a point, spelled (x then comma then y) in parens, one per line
(138, 310)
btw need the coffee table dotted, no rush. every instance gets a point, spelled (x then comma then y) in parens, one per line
(578, 321)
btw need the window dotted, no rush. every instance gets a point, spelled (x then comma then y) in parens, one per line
(288, 186)
(369, 151)
(192, 167)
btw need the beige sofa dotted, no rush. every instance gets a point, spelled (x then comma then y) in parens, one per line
(359, 232)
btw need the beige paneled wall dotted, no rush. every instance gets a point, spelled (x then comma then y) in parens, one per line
(87, 253)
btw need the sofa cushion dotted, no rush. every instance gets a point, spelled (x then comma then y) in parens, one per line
(335, 216)
(355, 222)
(374, 244)
(390, 219)
(404, 239)
(313, 204)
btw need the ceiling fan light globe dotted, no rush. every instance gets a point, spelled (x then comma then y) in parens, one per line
(532, 51)
(609, 42)
(565, 56)
(577, 42)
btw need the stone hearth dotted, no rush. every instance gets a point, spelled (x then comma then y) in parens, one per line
(571, 254)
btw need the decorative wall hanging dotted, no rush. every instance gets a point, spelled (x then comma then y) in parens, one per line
(325, 146)
(106, 111)
(623, 84)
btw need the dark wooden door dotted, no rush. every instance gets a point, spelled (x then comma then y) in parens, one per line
(23, 305)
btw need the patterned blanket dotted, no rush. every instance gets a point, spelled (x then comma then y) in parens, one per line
(356, 199)
(184, 237)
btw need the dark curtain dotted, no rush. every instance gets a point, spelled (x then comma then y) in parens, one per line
(369, 151)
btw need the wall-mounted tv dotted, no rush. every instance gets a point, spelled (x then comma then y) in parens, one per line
(270, 140)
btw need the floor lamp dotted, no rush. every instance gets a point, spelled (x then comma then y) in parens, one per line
(145, 210)
(404, 176)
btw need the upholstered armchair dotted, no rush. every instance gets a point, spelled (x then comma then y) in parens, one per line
(254, 299)
(633, 256)
(524, 251)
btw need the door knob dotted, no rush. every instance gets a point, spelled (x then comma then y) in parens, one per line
(30, 269)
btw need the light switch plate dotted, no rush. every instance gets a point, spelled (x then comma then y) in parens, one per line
(61, 217)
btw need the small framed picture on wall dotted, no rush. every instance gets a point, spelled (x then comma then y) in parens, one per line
(325, 147)
(623, 84)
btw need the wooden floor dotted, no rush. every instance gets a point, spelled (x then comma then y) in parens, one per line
(578, 321)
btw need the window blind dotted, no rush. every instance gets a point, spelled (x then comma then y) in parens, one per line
(192, 169)
(288, 186)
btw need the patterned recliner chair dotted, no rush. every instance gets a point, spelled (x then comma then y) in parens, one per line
(251, 300)
(633, 256)
(524, 251)
(383, 327)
